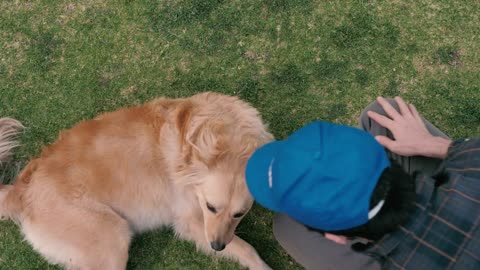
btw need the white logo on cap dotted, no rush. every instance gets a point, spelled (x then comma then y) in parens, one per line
(270, 177)
(376, 209)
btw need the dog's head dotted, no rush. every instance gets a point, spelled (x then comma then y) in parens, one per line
(215, 149)
(224, 200)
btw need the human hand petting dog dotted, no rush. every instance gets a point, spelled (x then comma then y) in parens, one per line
(411, 136)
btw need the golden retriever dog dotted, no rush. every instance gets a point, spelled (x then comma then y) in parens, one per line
(169, 162)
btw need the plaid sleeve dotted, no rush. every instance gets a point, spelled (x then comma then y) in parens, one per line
(459, 215)
(445, 229)
(463, 158)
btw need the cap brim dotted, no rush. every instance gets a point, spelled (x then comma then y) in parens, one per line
(257, 174)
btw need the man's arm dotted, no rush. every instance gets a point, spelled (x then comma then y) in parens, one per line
(411, 136)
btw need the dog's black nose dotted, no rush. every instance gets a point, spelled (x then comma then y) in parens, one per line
(217, 245)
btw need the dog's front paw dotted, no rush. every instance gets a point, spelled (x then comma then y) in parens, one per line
(266, 267)
(260, 266)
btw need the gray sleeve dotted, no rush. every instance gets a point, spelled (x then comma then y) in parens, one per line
(313, 251)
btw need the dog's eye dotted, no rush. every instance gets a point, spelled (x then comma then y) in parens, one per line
(238, 215)
(211, 208)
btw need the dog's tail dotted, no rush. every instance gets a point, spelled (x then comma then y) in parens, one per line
(9, 129)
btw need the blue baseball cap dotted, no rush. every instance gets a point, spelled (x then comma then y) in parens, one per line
(323, 175)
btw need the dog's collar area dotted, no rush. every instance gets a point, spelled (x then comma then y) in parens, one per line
(372, 213)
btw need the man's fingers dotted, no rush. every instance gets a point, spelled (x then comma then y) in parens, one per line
(386, 142)
(388, 108)
(404, 110)
(414, 112)
(381, 119)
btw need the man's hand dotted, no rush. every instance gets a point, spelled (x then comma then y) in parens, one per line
(339, 239)
(411, 136)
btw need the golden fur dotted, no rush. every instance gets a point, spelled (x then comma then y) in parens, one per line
(136, 169)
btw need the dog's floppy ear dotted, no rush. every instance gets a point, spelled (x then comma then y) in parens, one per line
(209, 135)
(200, 136)
(208, 140)
(248, 143)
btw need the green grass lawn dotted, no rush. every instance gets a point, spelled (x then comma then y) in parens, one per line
(295, 60)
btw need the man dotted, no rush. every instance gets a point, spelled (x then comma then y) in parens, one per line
(312, 179)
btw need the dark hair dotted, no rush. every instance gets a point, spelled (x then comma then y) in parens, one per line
(397, 188)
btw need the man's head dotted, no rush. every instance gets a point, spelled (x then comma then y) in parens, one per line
(332, 178)
(397, 189)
